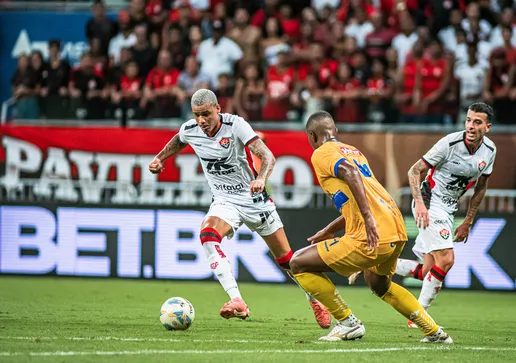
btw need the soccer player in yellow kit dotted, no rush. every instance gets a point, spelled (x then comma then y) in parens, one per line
(374, 238)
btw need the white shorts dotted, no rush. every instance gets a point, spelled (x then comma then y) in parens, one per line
(438, 235)
(260, 217)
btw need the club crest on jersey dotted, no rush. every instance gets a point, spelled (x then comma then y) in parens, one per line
(224, 142)
(481, 165)
(444, 233)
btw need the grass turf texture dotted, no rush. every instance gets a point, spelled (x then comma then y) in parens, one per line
(97, 320)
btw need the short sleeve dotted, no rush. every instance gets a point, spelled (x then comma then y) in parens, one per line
(181, 133)
(244, 132)
(326, 162)
(437, 154)
(489, 168)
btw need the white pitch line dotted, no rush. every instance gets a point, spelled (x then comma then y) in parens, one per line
(261, 351)
(165, 340)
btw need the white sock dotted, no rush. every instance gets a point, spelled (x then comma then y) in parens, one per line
(406, 268)
(221, 267)
(308, 296)
(432, 284)
(350, 321)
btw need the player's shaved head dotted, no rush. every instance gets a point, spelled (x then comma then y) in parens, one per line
(320, 127)
(320, 123)
(204, 97)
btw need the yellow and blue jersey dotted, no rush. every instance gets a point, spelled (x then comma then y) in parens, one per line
(389, 220)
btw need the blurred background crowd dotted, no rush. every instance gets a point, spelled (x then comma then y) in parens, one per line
(377, 61)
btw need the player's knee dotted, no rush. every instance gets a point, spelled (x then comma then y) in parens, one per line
(296, 265)
(444, 259)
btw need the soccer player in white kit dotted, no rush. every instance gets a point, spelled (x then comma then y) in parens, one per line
(223, 143)
(456, 163)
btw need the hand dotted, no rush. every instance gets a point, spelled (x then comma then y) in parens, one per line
(156, 166)
(462, 233)
(372, 233)
(257, 186)
(422, 218)
(320, 236)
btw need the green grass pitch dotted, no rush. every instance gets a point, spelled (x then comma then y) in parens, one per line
(97, 320)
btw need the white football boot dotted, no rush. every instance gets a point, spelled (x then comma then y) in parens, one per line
(439, 337)
(344, 332)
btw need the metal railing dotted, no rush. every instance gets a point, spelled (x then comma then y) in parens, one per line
(192, 194)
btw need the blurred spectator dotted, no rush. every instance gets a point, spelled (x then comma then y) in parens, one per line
(190, 80)
(473, 25)
(99, 26)
(184, 22)
(176, 47)
(86, 89)
(218, 54)
(361, 68)
(379, 90)
(506, 20)
(245, 35)
(272, 41)
(290, 24)
(301, 48)
(270, 9)
(461, 51)
(471, 77)
(194, 39)
(137, 14)
(499, 80)
(24, 87)
(324, 68)
(99, 59)
(115, 73)
(320, 5)
(55, 86)
(440, 13)
(157, 12)
(346, 90)
(143, 54)
(308, 15)
(391, 57)
(127, 94)
(225, 93)
(124, 39)
(435, 78)
(323, 30)
(448, 35)
(311, 97)
(404, 41)
(507, 45)
(249, 93)
(161, 93)
(408, 85)
(380, 38)
(359, 27)
(39, 67)
(280, 83)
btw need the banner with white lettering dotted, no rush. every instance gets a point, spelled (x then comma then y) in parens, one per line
(164, 244)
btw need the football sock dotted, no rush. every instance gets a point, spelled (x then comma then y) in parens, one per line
(321, 288)
(407, 305)
(284, 262)
(407, 268)
(218, 261)
(431, 286)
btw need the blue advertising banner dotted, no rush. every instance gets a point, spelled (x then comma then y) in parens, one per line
(23, 32)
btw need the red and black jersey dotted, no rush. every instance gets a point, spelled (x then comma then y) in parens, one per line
(159, 78)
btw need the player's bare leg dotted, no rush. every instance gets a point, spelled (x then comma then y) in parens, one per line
(280, 249)
(407, 305)
(213, 229)
(308, 268)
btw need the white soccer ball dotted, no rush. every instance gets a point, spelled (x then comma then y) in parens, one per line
(177, 314)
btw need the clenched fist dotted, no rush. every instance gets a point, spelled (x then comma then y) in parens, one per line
(156, 166)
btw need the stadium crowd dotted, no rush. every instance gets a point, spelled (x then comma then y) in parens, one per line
(381, 61)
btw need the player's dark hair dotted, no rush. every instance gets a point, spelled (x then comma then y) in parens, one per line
(317, 117)
(482, 107)
(54, 43)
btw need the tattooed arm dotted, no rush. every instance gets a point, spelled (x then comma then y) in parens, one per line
(259, 149)
(172, 148)
(462, 231)
(414, 175)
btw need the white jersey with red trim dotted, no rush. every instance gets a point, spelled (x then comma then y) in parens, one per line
(454, 169)
(226, 161)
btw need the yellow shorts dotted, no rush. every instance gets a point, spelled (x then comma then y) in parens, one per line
(346, 256)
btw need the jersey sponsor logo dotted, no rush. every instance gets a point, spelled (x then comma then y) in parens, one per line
(219, 166)
(449, 201)
(440, 221)
(444, 233)
(458, 184)
(481, 165)
(225, 142)
(231, 189)
(347, 150)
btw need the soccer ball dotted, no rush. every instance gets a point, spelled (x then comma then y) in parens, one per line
(177, 314)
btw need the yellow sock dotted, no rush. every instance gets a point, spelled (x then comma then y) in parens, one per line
(408, 306)
(321, 288)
